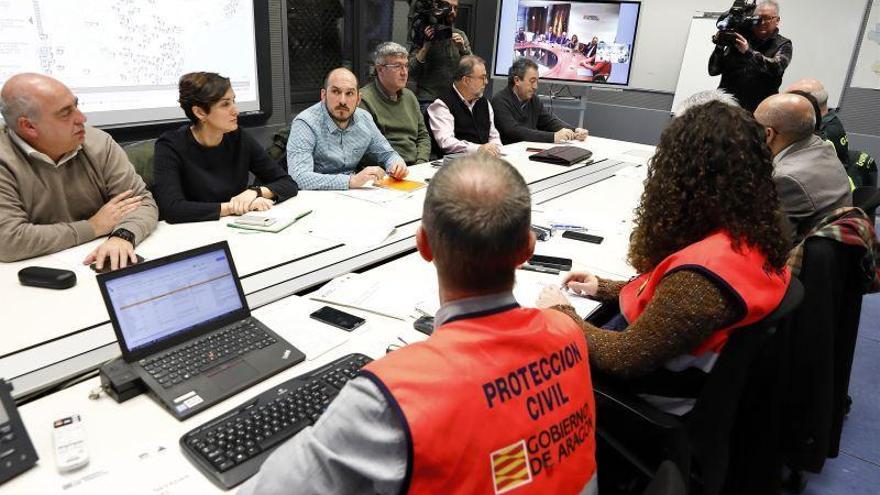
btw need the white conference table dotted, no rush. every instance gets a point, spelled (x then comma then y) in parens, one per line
(134, 447)
(53, 335)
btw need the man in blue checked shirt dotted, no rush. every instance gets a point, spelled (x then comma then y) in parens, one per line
(328, 140)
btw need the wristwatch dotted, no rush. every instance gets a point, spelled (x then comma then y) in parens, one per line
(124, 234)
(258, 190)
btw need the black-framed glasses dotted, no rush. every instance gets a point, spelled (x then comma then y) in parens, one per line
(766, 19)
(395, 346)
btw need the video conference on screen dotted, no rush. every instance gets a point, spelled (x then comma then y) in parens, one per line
(588, 42)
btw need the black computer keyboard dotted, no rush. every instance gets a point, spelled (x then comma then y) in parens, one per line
(231, 448)
(202, 354)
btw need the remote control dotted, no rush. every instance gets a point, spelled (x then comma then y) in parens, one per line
(69, 435)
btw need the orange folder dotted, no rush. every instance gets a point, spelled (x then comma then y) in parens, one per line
(399, 185)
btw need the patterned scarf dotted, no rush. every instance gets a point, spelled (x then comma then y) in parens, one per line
(850, 226)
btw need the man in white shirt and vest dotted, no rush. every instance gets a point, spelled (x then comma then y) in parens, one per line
(461, 119)
(497, 400)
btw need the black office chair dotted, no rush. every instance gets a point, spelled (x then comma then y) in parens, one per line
(821, 355)
(667, 481)
(436, 152)
(277, 150)
(867, 198)
(698, 443)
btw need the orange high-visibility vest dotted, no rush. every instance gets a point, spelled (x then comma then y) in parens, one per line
(494, 404)
(758, 290)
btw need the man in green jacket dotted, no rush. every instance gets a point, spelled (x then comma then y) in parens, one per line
(395, 108)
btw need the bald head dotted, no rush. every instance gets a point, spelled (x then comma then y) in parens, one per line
(791, 118)
(476, 220)
(340, 77)
(43, 112)
(815, 88)
(791, 115)
(22, 95)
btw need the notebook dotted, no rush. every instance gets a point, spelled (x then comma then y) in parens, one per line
(184, 326)
(268, 221)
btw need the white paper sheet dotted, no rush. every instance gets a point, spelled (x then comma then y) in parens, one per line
(362, 291)
(377, 195)
(364, 231)
(292, 325)
(150, 471)
(526, 291)
(530, 284)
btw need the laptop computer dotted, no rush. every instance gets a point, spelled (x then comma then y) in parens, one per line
(184, 326)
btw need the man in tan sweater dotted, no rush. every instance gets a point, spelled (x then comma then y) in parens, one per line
(63, 183)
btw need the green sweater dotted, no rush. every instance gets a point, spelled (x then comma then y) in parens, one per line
(399, 121)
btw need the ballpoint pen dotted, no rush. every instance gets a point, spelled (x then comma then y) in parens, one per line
(564, 226)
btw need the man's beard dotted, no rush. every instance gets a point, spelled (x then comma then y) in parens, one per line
(337, 119)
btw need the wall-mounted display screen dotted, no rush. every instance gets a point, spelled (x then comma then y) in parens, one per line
(573, 41)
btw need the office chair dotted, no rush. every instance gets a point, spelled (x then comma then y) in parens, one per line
(667, 481)
(140, 154)
(867, 198)
(277, 150)
(436, 152)
(821, 355)
(699, 442)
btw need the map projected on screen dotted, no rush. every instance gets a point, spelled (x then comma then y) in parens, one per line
(123, 58)
(574, 41)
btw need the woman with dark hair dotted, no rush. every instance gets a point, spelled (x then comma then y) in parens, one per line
(709, 245)
(573, 44)
(201, 170)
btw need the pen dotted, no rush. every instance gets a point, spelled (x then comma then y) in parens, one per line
(303, 214)
(563, 226)
(540, 269)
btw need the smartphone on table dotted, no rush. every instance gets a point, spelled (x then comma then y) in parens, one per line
(337, 318)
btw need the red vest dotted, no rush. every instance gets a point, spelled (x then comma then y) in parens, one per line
(495, 404)
(759, 291)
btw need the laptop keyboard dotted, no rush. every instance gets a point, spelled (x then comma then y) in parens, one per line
(231, 448)
(202, 354)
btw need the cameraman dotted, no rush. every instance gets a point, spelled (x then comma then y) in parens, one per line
(432, 64)
(751, 69)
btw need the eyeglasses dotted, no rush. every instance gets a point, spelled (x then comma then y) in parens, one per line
(766, 19)
(395, 346)
(485, 78)
(400, 67)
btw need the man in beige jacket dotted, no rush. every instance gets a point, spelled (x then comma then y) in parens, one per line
(63, 183)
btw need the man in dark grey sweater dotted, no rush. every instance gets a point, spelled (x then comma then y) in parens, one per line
(520, 116)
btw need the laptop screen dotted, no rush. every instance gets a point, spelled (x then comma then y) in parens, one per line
(167, 300)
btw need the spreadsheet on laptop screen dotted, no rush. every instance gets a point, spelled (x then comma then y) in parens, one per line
(155, 304)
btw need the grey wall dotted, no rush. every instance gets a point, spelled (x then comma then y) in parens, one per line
(280, 82)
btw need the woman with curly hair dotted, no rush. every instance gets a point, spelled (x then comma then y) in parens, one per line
(710, 248)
